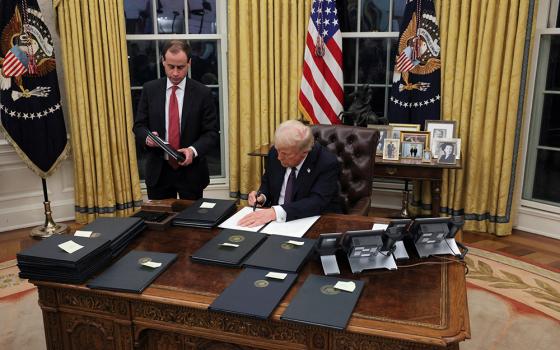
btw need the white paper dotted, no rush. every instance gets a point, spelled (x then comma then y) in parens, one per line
(231, 223)
(207, 205)
(86, 234)
(276, 275)
(295, 228)
(152, 264)
(70, 246)
(226, 244)
(345, 286)
(291, 241)
(380, 226)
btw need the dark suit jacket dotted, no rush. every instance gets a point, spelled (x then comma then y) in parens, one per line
(316, 187)
(199, 128)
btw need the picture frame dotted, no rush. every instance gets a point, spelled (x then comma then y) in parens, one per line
(397, 128)
(412, 150)
(442, 155)
(416, 136)
(384, 132)
(391, 149)
(427, 157)
(441, 129)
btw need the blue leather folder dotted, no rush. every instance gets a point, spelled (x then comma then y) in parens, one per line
(129, 275)
(47, 261)
(277, 254)
(197, 215)
(318, 303)
(215, 252)
(120, 231)
(253, 294)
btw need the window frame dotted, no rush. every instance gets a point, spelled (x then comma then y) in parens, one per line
(388, 35)
(547, 12)
(221, 44)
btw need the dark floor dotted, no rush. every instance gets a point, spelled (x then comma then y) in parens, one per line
(524, 246)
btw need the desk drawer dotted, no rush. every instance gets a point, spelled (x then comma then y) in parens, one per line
(407, 172)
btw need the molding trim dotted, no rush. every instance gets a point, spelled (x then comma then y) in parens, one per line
(539, 222)
(34, 215)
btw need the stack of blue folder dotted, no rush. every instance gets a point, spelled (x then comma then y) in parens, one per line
(120, 231)
(47, 261)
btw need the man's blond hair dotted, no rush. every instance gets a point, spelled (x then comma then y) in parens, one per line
(293, 133)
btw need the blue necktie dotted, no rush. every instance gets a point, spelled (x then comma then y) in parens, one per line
(290, 184)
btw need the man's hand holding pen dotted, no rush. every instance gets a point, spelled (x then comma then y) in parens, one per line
(257, 218)
(256, 199)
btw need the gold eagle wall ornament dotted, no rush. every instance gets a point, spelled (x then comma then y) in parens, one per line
(428, 61)
(34, 40)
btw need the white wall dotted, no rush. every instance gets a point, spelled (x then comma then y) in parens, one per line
(21, 191)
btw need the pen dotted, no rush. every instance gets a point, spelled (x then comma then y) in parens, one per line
(256, 200)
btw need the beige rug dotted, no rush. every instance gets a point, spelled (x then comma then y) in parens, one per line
(20, 314)
(513, 305)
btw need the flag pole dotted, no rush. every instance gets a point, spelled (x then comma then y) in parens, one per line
(50, 227)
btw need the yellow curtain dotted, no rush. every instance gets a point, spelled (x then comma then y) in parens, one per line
(266, 43)
(92, 35)
(483, 45)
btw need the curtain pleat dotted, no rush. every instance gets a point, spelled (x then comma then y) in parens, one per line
(483, 47)
(266, 43)
(92, 35)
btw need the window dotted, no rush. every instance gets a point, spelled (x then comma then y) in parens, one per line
(370, 29)
(541, 186)
(203, 24)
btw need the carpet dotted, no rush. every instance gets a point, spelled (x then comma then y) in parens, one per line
(513, 305)
(20, 314)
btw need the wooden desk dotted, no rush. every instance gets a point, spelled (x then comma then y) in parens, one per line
(421, 307)
(412, 169)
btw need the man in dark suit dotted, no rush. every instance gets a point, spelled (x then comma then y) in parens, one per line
(182, 112)
(301, 178)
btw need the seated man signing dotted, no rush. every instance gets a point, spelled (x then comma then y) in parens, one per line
(301, 178)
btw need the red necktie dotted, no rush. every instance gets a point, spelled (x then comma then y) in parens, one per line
(174, 127)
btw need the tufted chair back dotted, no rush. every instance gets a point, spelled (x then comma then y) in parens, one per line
(355, 150)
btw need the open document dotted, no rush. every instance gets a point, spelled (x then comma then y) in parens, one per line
(294, 228)
(231, 223)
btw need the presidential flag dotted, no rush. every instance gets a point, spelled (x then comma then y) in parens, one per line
(321, 96)
(30, 112)
(415, 92)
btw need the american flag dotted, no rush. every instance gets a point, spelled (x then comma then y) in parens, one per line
(404, 63)
(321, 95)
(15, 63)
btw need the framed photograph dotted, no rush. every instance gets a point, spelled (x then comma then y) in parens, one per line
(427, 158)
(391, 149)
(397, 128)
(412, 150)
(384, 132)
(441, 129)
(416, 136)
(447, 151)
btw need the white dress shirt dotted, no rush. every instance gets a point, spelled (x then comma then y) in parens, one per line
(180, 93)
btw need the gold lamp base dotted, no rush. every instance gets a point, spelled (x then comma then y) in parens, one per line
(404, 209)
(50, 227)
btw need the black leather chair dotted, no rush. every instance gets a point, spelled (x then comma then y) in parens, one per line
(355, 150)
